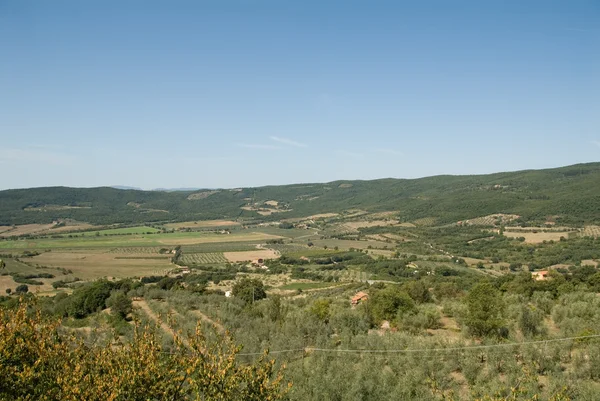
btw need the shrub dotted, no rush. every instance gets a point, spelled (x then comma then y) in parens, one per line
(22, 289)
(388, 303)
(485, 308)
(120, 304)
(39, 363)
(249, 290)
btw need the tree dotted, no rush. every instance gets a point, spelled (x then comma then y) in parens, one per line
(2, 264)
(320, 309)
(387, 303)
(276, 309)
(485, 308)
(8, 291)
(249, 290)
(418, 291)
(41, 362)
(22, 289)
(120, 304)
(531, 321)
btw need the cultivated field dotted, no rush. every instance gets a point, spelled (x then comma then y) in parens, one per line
(491, 219)
(591, 231)
(92, 264)
(353, 225)
(202, 224)
(26, 229)
(202, 258)
(75, 227)
(538, 229)
(537, 237)
(121, 231)
(140, 250)
(219, 247)
(14, 266)
(179, 239)
(40, 229)
(251, 255)
(347, 244)
(425, 221)
(396, 237)
(135, 240)
(306, 286)
(44, 289)
(321, 216)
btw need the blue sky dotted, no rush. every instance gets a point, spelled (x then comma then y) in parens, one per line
(246, 93)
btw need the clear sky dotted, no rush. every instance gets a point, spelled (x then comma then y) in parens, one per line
(245, 93)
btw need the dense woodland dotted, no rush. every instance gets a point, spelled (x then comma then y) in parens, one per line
(570, 192)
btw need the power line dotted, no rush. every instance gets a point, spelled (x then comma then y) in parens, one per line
(440, 351)
(424, 350)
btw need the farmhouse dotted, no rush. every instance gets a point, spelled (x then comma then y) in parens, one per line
(359, 297)
(540, 276)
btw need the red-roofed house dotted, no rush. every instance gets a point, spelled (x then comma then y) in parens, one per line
(359, 297)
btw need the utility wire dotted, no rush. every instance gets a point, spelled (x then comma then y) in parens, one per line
(424, 350)
(400, 351)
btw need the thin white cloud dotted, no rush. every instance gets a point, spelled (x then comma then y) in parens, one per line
(390, 152)
(350, 154)
(33, 156)
(597, 143)
(288, 141)
(257, 146)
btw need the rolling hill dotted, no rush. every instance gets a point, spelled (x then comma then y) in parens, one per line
(570, 194)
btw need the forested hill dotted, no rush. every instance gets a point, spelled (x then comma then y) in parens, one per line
(570, 193)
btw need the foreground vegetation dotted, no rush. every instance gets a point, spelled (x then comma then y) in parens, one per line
(409, 297)
(41, 362)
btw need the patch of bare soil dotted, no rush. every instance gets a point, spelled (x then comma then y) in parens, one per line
(220, 328)
(143, 305)
(201, 195)
(353, 225)
(537, 237)
(251, 255)
(27, 229)
(202, 224)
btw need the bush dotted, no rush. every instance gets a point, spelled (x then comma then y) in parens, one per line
(485, 308)
(22, 289)
(120, 304)
(426, 317)
(249, 290)
(388, 303)
(40, 363)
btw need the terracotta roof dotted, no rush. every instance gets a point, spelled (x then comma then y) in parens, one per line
(360, 295)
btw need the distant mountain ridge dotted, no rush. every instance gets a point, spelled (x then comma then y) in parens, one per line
(570, 195)
(126, 187)
(176, 189)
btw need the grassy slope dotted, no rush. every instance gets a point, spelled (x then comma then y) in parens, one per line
(572, 192)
